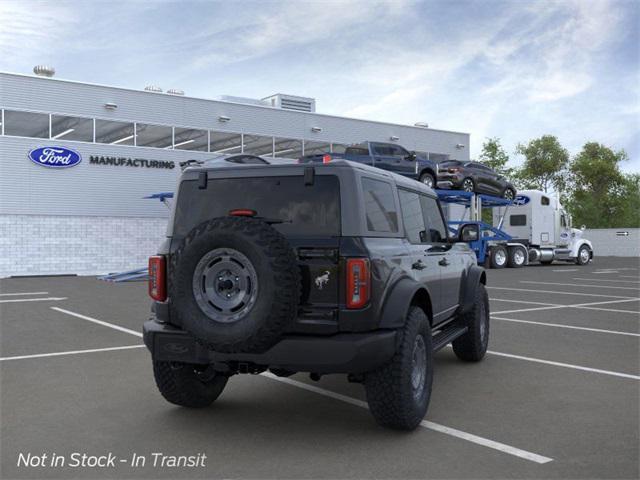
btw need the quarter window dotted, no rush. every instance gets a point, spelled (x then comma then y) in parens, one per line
(380, 207)
(412, 216)
(437, 231)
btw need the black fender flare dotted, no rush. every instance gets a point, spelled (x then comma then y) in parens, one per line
(396, 305)
(475, 276)
(428, 170)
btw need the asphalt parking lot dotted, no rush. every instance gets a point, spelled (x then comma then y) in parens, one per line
(556, 397)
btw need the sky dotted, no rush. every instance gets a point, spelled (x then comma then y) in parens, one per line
(515, 70)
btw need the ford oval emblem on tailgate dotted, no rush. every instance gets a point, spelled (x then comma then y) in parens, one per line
(55, 157)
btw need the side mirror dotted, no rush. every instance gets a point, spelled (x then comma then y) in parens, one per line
(411, 157)
(583, 227)
(469, 233)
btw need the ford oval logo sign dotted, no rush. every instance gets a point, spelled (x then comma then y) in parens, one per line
(521, 200)
(55, 157)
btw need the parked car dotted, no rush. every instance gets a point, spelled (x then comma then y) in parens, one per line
(474, 177)
(329, 268)
(387, 156)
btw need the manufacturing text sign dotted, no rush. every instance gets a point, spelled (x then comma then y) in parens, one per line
(55, 157)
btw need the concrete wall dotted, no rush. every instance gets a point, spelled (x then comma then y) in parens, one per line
(611, 242)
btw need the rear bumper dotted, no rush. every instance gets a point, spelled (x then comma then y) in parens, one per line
(341, 353)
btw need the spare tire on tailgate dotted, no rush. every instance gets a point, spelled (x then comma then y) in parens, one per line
(234, 284)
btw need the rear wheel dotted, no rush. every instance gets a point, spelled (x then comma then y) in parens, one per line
(188, 385)
(472, 346)
(517, 257)
(428, 180)
(468, 185)
(498, 256)
(584, 255)
(398, 393)
(509, 194)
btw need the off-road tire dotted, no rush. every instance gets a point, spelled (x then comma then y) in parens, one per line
(278, 287)
(425, 177)
(494, 256)
(472, 346)
(389, 389)
(511, 260)
(181, 384)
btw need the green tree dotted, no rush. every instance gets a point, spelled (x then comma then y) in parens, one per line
(545, 164)
(494, 156)
(600, 195)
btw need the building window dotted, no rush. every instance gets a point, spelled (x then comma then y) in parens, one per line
(287, 148)
(71, 128)
(26, 124)
(226, 143)
(114, 133)
(379, 206)
(316, 148)
(157, 136)
(338, 148)
(438, 157)
(258, 145)
(191, 139)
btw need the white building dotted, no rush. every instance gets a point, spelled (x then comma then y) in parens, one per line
(92, 218)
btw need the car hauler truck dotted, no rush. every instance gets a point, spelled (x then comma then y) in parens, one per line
(538, 221)
(532, 228)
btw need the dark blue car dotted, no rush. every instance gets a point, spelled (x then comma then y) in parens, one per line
(387, 156)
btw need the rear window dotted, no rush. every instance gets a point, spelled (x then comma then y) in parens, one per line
(305, 210)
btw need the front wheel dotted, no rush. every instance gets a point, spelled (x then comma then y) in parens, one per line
(428, 180)
(398, 393)
(188, 385)
(468, 185)
(509, 194)
(584, 255)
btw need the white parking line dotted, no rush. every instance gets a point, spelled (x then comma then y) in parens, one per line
(23, 293)
(559, 325)
(581, 285)
(558, 293)
(586, 306)
(604, 280)
(567, 270)
(99, 322)
(525, 301)
(19, 300)
(565, 365)
(485, 442)
(71, 352)
(628, 276)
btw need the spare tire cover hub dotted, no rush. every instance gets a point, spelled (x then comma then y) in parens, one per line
(225, 285)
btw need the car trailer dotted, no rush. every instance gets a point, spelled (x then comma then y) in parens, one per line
(494, 248)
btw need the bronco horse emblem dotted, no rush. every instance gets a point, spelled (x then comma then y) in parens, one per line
(322, 280)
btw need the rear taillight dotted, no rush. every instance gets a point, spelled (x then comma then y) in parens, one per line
(242, 212)
(157, 278)
(358, 282)
(454, 170)
(326, 158)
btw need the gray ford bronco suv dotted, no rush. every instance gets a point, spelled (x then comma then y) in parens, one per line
(328, 268)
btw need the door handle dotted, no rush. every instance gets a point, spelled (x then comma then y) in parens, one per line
(418, 265)
(444, 262)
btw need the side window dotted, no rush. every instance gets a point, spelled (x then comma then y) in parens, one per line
(382, 150)
(544, 201)
(563, 220)
(412, 216)
(437, 231)
(380, 209)
(398, 151)
(518, 220)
